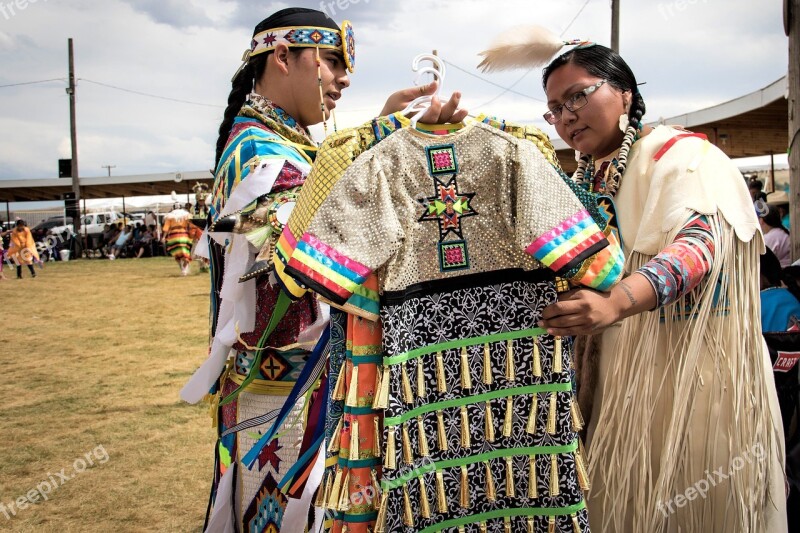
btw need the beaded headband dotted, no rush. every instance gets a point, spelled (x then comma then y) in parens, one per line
(306, 37)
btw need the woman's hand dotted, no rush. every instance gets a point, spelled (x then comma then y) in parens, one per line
(579, 312)
(436, 113)
(586, 311)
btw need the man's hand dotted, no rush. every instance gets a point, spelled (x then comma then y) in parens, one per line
(436, 113)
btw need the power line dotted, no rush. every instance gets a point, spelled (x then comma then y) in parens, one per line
(148, 94)
(31, 82)
(490, 82)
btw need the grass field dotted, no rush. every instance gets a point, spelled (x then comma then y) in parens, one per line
(94, 353)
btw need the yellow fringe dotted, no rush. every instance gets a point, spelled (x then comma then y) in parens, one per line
(333, 496)
(508, 422)
(510, 489)
(352, 391)
(408, 396)
(555, 490)
(507, 525)
(557, 358)
(380, 521)
(464, 500)
(354, 436)
(575, 411)
(441, 384)
(333, 447)
(511, 371)
(441, 496)
(408, 454)
(487, 365)
(390, 461)
(442, 434)
(466, 441)
(576, 527)
(344, 496)
(551, 524)
(533, 489)
(482, 527)
(424, 451)
(424, 504)
(583, 475)
(319, 501)
(531, 528)
(489, 423)
(537, 359)
(381, 401)
(466, 378)
(551, 415)
(421, 392)
(338, 390)
(373, 477)
(376, 427)
(408, 513)
(491, 492)
(531, 427)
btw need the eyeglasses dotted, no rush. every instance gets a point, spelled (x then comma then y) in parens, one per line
(573, 103)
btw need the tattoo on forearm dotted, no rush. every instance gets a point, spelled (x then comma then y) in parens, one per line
(628, 293)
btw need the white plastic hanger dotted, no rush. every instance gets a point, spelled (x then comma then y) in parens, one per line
(421, 104)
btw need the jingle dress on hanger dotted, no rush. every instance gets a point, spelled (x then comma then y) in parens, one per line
(459, 229)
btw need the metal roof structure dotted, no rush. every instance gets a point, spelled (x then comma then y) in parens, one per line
(28, 190)
(752, 125)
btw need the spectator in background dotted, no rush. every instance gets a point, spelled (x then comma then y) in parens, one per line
(775, 235)
(756, 187)
(122, 239)
(781, 200)
(150, 219)
(143, 243)
(780, 295)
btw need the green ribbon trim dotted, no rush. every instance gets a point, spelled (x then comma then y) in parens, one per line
(472, 459)
(278, 312)
(359, 463)
(366, 359)
(359, 410)
(357, 518)
(458, 343)
(503, 513)
(486, 396)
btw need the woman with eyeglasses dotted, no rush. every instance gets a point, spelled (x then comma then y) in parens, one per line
(684, 431)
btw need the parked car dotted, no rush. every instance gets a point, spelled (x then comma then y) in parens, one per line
(55, 225)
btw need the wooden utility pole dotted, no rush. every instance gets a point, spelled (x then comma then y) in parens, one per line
(791, 22)
(615, 25)
(76, 187)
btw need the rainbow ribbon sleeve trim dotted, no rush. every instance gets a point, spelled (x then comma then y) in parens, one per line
(326, 271)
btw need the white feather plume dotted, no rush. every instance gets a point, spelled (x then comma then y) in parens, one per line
(521, 47)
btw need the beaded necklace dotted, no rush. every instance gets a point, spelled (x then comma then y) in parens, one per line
(606, 180)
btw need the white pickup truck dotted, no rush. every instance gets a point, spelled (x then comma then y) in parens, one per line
(95, 223)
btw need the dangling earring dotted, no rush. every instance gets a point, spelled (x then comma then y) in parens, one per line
(624, 122)
(321, 97)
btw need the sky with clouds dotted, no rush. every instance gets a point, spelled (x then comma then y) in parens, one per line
(690, 53)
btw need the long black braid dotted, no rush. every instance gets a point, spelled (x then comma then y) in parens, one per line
(245, 80)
